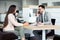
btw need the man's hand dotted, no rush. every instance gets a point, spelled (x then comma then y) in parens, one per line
(26, 24)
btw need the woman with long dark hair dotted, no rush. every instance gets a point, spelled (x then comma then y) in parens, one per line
(10, 21)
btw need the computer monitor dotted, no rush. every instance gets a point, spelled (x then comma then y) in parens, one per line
(2, 17)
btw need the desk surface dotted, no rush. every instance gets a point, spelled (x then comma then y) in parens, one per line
(43, 27)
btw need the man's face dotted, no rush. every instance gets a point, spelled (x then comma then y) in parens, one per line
(40, 9)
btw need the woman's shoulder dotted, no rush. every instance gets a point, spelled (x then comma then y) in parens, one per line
(11, 14)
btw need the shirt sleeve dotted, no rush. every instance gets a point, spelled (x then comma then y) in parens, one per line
(49, 17)
(13, 20)
(37, 19)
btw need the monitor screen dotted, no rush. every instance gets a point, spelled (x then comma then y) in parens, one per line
(2, 17)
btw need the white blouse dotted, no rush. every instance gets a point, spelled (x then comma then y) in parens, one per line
(11, 23)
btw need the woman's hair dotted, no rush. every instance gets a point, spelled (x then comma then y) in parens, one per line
(11, 10)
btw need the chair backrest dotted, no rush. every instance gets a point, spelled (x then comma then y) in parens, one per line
(1, 29)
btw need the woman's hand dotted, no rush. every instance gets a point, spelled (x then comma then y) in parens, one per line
(26, 24)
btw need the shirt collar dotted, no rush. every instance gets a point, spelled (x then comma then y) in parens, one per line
(43, 12)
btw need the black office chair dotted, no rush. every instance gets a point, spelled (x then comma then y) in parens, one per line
(7, 35)
(27, 36)
(56, 37)
(52, 33)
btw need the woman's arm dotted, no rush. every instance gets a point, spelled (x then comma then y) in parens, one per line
(13, 20)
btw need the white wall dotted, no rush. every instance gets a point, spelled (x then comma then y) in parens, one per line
(30, 2)
(49, 2)
(4, 5)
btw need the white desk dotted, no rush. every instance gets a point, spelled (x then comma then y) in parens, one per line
(43, 27)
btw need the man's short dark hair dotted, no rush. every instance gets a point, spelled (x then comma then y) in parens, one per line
(42, 6)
